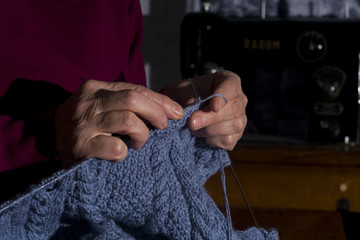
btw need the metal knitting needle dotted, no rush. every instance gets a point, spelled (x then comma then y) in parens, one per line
(244, 196)
(237, 180)
(197, 96)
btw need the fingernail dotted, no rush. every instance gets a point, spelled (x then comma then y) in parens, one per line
(197, 122)
(178, 110)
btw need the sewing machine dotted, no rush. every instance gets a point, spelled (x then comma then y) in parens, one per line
(301, 76)
(299, 158)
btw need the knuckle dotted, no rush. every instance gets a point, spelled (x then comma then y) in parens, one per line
(242, 97)
(244, 119)
(128, 119)
(237, 77)
(117, 86)
(118, 150)
(140, 89)
(245, 100)
(131, 97)
(228, 142)
(90, 85)
(229, 74)
(238, 125)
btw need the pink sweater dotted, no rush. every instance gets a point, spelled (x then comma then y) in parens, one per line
(63, 43)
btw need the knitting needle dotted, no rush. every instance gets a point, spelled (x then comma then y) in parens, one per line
(237, 180)
(197, 96)
(244, 196)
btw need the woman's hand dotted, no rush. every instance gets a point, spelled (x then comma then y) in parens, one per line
(222, 125)
(85, 123)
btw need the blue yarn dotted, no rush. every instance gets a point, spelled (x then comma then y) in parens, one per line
(155, 193)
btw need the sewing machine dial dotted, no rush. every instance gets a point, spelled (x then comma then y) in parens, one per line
(330, 81)
(311, 46)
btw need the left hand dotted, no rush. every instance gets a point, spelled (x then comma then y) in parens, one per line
(222, 125)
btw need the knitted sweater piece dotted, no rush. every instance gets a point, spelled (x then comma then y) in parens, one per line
(155, 193)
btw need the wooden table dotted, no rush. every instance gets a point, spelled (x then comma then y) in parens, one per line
(302, 186)
(293, 224)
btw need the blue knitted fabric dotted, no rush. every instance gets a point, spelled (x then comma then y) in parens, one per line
(155, 193)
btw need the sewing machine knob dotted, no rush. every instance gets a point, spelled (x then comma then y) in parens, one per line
(311, 46)
(330, 81)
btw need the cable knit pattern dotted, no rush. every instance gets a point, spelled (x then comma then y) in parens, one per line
(155, 193)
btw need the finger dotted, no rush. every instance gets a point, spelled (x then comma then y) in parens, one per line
(172, 109)
(227, 84)
(229, 127)
(225, 142)
(123, 123)
(106, 147)
(129, 100)
(205, 117)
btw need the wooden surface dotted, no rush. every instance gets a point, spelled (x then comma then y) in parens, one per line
(295, 189)
(292, 178)
(293, 224)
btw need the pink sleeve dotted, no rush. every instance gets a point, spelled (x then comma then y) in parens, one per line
(136, 62)
(100, 40)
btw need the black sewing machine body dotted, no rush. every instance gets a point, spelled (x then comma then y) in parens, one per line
(301, 76)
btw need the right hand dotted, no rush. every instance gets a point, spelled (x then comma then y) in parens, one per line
(85, 122)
